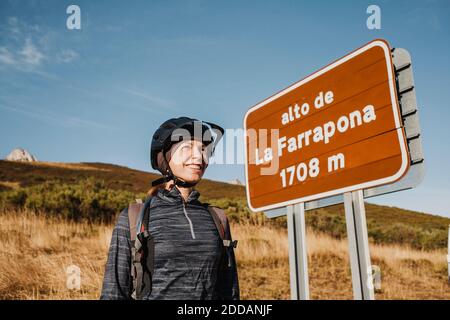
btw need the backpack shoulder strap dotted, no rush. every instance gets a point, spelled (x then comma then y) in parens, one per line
(221, 221)
(134, 209)
(142, 249)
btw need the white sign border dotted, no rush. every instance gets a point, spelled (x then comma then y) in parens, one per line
(396, 110)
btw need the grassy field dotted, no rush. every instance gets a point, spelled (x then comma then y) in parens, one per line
(36, 250)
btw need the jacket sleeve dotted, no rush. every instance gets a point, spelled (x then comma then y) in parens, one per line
(117, 283)
(228, 278)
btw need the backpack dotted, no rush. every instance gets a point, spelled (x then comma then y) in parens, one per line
(143, 246)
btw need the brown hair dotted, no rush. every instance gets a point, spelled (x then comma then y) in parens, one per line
(154, 189)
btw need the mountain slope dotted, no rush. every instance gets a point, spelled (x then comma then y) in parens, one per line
(111, 187)
(115, 177)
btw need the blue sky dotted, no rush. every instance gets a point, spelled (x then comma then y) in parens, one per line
(97, 94)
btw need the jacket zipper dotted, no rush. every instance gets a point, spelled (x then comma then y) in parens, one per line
(189, 220)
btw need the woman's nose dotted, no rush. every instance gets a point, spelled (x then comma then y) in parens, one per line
(196, 153)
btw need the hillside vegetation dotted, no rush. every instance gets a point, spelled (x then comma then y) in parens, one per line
(97, 192)
(113, 176)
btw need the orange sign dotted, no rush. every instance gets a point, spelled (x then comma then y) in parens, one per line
(337, 130)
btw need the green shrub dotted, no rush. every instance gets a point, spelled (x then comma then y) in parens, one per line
(91, 199)
(85, 200)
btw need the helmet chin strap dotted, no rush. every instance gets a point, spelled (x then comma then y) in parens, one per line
(182, 183)
(177, 181)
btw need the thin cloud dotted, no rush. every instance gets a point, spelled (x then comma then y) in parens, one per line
(26, 58)
(153, 108)
(153, 100)
(31, 114)
(54, 119)
(13, 26)
(29, 48)
(30, 54)
(77, 122)
(6, 57)
(67, 55)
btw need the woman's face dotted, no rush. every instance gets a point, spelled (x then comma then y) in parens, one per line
(188, 160)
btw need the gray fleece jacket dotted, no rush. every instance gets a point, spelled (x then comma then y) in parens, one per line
(189, 262)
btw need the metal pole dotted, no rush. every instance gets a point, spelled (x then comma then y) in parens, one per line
(292, 253)
(358, 242)
(448, 254)
(298, 258)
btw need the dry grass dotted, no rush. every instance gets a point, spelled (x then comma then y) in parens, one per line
(35, 252)
(10, 184)
(65, 165)
(406, 273)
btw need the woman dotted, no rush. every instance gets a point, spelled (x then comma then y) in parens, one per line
(189, 260)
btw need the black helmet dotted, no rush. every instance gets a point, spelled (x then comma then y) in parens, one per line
(173, 131)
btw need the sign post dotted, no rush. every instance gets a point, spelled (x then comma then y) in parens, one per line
(448, 254)
(358, 244)
(347, 131)
(298, 257)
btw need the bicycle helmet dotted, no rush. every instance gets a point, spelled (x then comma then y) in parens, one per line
(173, 131)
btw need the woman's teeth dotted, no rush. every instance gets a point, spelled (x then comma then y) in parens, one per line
(195, 166)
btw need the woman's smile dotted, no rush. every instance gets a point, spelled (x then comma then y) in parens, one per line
(196, 167)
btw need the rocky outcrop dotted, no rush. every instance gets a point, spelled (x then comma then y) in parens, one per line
(237, 182)
(21, 155)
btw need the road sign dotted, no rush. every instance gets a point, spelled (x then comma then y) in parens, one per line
(410, 115)
(336, 131)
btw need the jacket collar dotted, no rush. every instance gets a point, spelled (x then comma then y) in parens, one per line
(174, 195)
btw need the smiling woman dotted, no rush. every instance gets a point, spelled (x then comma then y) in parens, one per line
(183, 249)
(188, 160)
